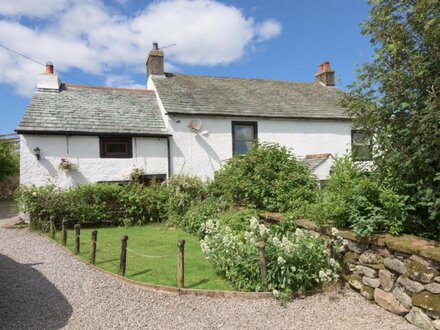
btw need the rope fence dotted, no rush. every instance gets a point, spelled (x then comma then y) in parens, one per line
(124, 249)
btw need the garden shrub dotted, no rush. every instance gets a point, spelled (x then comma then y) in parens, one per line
(9, 160)
(112, 204)
(296, 260)
(268, 176)
(214, 208)
(95, 204)
(183, 191)
(199, 213)
(237, 220)
(353, 198)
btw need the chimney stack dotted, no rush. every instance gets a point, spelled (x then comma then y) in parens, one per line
(48, 81)
(325, 74)
(49, 68)
(155, 61)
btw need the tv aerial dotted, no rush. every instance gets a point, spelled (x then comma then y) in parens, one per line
(156, 46)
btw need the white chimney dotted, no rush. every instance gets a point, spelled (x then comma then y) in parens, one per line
(48, 81)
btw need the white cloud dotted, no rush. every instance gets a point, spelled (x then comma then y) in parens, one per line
(268, 30)
(206, 32)
(87, 35)
(33, 8)
(122, 81)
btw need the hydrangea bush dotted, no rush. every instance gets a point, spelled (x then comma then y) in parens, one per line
(296, 261)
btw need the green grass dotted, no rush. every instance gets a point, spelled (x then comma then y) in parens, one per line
(158, 241)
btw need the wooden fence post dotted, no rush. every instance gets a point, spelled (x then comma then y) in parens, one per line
(52, 227)
(263, 267)
(181, 264)
(64, 232)
(123, 259)
(93, 246)
(77, 229)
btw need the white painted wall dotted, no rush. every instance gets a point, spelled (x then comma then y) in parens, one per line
(148, 153)
(322, 170)
(202, 155)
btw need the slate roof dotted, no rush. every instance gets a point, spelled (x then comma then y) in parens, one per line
(80, 109)
(315, 160)
(202, 95)
(314, 163)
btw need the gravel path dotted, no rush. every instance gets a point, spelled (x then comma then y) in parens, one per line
(44, 287)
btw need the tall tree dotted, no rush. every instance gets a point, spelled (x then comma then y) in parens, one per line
(397, 99)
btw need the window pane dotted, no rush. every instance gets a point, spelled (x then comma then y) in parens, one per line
(361, 152)
(242, 147)
(244, 132)
(116, 147)
(361, 137)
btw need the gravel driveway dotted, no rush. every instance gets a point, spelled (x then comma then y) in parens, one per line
(44, 287)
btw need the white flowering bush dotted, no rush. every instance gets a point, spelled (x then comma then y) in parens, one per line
(296, 260)
(232, 255)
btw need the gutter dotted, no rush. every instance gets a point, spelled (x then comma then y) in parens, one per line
(168, 157)
(85, 133)
(247, 115)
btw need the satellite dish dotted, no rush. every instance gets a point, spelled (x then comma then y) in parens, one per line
(195, 124)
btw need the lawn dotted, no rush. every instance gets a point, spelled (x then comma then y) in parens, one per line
(153, 255)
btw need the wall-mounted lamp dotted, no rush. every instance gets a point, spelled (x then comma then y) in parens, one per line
(37, 153)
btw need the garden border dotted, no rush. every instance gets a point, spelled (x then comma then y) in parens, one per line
(169, 289)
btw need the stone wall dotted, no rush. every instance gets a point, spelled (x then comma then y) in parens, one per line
(404, 284)
(399, 273)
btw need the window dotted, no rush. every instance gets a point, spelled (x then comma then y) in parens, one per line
(361, 147)
(114, 147)
(244, 135)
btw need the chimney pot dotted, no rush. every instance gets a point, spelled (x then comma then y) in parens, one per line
(155, 45)
(325, 75)
(48, 81)
(49, 68)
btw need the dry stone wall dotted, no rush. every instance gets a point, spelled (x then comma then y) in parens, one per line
(404, 284)
(399, 273)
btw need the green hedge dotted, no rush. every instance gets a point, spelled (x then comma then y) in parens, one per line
(110, 204)
(94, 204)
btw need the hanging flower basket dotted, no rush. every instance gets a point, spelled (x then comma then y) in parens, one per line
(66, 165)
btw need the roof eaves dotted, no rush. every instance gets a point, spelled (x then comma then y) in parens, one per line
(90, 133)
(251, 115)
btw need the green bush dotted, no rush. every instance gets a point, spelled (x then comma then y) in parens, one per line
(9, 161)
(213, 208)
(237, 220)
(95, 204)
(268, 177)
(199, 213)
(183, 191)
(296, 260)
(352, 198)
(112, 204)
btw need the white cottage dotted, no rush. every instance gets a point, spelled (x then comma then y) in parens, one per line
(178, 124)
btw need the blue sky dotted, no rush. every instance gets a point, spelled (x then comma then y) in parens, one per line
(106, 42)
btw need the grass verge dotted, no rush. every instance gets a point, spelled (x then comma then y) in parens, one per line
(151, 255)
